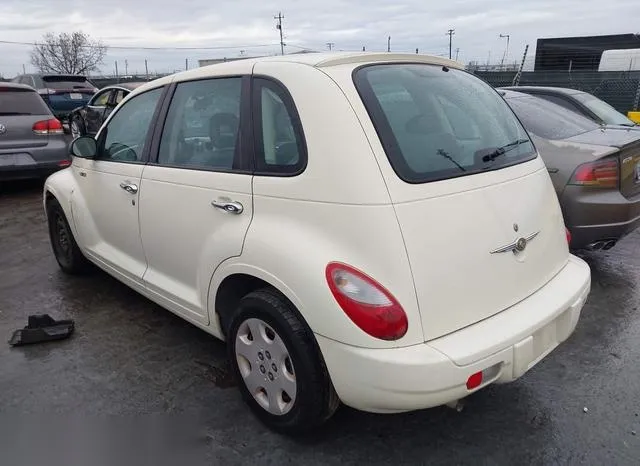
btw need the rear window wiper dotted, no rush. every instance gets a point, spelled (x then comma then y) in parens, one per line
(446, 155)
(503, 150)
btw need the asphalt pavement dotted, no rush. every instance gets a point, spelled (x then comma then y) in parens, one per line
(130, 359)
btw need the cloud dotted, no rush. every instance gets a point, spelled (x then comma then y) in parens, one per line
(349, 24)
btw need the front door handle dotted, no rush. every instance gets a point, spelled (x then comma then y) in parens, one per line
(232, 207)
(129, 187)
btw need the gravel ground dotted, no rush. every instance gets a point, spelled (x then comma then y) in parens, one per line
(130, 358)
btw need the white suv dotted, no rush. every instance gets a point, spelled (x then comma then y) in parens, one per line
(376, 229)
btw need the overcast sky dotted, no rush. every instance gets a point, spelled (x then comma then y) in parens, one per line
(308, 23)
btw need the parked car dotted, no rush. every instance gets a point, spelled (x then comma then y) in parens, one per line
(32, 143)
(383, 249)
(61, 92)
(583, 103)
(595, 170)
(86, 120)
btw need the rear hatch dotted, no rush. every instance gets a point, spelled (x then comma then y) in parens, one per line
(472, 186)
(66, 93)
(628, 141)
(20, 109)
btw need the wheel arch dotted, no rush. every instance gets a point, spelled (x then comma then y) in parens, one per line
(230, 285)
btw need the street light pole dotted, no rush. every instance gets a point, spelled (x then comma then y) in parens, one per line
(450, 33)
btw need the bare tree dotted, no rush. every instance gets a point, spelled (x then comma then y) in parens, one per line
(75, 53)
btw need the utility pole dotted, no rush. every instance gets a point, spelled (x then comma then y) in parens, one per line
(506, 50)
(330, 45)
(146, 69)
(117, 76)
(416, 51)
(279, 27)
(389, 44)
(24, 70)
(186, 63)
(450, 33)
(363, 48)
(457, 52)
(126, 67)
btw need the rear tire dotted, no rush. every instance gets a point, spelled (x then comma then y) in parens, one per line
(65, 248)
(278, 365)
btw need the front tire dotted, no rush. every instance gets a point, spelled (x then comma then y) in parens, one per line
(278, 364)
(65, 248)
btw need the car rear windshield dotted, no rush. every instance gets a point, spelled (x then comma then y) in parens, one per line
(549, 120)
(436, 122)
(606, 112)
(21, 102)
(67, 82)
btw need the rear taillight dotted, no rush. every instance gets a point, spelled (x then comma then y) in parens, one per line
(601, 174)
(367, 303)
(52, 126)
(64, 163)
(568, 233)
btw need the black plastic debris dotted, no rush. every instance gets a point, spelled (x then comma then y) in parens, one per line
(42, 327)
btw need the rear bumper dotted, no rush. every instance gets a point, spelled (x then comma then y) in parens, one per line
(592, 215)
(505, 346)
(37, 162)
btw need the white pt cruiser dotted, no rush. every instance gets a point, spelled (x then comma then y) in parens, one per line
(375, 229)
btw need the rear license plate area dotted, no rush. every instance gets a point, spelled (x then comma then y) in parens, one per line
(19, 159)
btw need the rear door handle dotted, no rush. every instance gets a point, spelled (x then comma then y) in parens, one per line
(129, 187)
(553, 170)
(232, 207)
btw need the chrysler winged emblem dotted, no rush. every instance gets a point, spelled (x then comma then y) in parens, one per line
(3, 128)
(517, 246)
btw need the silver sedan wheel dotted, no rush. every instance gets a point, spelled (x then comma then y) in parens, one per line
(75, 129)
(266, 366)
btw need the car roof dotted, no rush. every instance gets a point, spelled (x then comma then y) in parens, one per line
(314, 59)
(549, 89)
(126, 86)
(509, 94)
(11, 85)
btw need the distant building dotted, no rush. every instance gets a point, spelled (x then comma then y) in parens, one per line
(579, 53)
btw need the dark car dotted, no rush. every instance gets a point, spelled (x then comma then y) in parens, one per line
(86, 120)
(585, 104)
(595, 170)
(32, 143)
(61, 92)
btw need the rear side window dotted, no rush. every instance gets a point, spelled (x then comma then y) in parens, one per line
(22, 102)
(66, 82)
(437, 123)
(280, 145)
(549, 120)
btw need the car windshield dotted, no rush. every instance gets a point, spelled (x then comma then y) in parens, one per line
(436, 123)
(67, 82)
(605, 112)
(21, 102)
(549, 120)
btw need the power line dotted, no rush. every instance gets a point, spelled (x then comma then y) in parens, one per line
(133, 47)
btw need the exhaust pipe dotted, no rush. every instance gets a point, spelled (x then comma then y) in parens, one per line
(458, 405)
(596, 246)
(609, 244)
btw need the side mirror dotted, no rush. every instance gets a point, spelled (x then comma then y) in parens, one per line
(84, 147)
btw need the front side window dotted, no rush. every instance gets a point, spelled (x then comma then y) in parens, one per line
(123, 139)
(101, 99)
(202, 128)
(280, 146)
(548, 120)
(436, 123)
